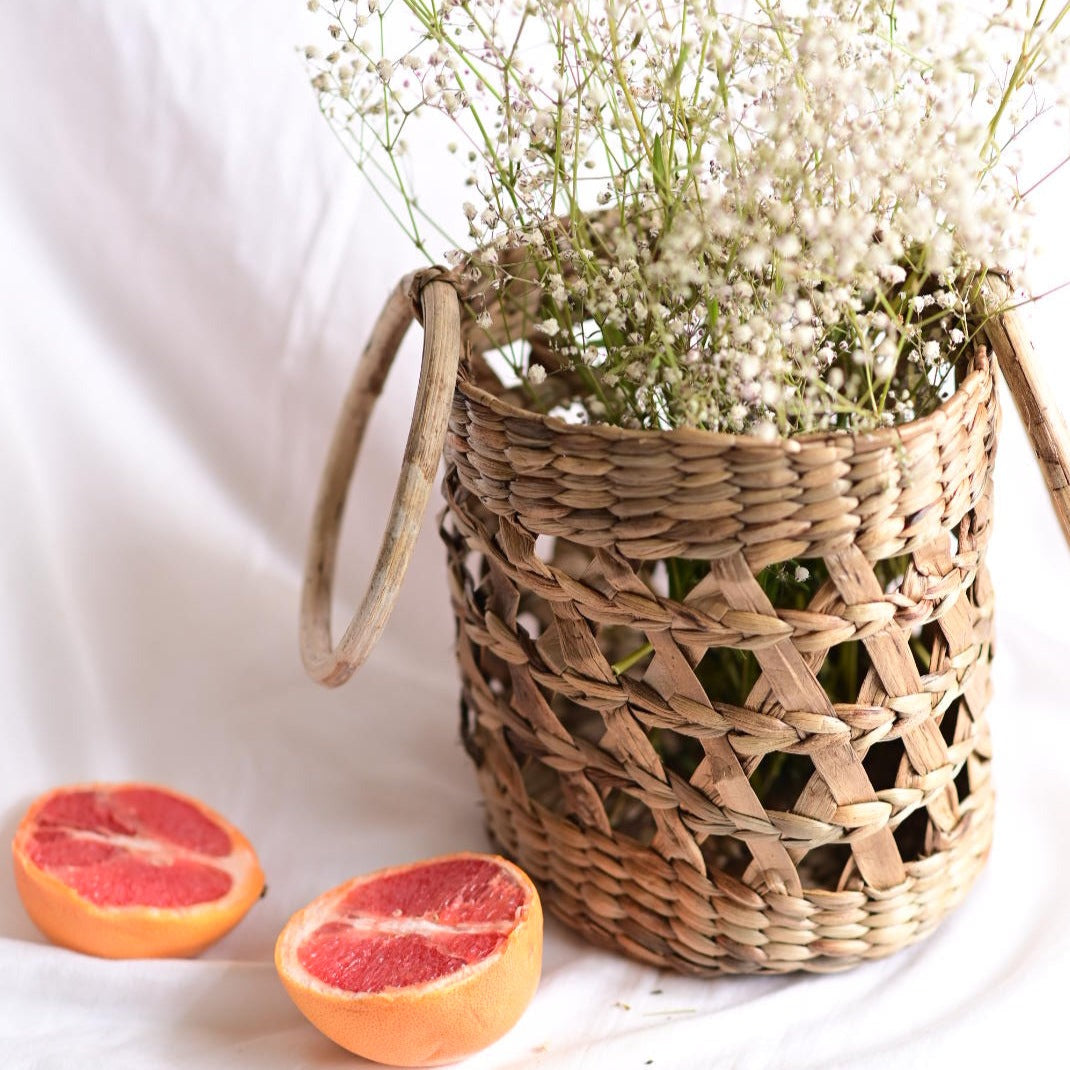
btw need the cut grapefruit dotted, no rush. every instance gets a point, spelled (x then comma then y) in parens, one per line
(132, 871)
(418, 965)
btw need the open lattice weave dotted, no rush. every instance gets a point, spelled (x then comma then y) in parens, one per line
(554, 532)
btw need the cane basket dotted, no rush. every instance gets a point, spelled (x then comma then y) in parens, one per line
(556, 536)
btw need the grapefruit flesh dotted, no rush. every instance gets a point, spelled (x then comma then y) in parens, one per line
(132, 870)
(418, 965)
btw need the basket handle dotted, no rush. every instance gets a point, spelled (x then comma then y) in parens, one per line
(1044, 424)
(432, 297)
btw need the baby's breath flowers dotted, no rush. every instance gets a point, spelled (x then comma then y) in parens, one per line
(754, 216)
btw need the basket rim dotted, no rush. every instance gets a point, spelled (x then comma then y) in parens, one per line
(981, 373)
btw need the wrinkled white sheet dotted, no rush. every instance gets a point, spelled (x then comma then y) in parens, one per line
(188, 268)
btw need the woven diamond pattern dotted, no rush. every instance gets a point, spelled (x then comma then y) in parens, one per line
(629, 793)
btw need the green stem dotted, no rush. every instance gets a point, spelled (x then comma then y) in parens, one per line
(621, 667)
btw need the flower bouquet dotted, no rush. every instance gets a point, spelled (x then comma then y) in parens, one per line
(713, 366)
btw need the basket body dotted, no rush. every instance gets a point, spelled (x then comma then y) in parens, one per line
(554, 535)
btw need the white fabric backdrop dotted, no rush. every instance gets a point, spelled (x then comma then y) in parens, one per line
(189, 266)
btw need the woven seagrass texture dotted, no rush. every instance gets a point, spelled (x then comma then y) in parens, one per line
(628, 791)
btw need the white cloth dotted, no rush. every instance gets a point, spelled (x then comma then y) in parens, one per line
(189, 266)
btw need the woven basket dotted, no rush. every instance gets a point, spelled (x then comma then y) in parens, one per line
(554, 534)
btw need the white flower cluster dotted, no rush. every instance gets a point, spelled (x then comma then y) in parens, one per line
(753, 216)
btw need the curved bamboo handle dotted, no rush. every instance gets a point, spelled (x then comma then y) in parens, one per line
(437, 298)
(1043, 422)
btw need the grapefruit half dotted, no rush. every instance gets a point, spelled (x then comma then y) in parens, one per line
(420, 964)
(132, 871)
